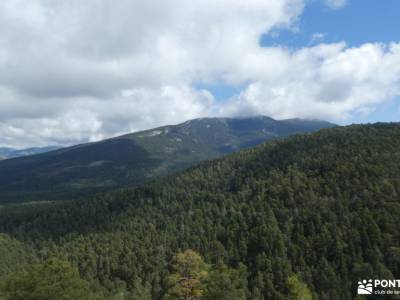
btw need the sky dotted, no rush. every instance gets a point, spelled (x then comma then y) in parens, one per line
(77, 71)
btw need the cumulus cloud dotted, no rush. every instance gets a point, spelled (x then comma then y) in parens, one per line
(79, 71)
(326, 81)
(82, 119)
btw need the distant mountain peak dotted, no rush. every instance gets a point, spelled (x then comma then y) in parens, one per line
(137, 157)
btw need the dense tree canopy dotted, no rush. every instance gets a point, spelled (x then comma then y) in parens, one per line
(308, 215)
(53, 279)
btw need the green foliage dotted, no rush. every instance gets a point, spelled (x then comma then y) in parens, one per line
(140, 291)
(191, 278)
(14, 255)
(298, 290)
(186, 282)
(224, 283)
(52, 280)
(325, 206)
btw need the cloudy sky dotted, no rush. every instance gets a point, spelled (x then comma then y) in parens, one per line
(75, 71)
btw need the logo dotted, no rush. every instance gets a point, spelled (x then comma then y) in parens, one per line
(379, 287)
(365, 287)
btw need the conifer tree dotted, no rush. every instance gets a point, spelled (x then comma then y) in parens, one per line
(186, 282)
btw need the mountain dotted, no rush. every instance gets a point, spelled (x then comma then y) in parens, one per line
(315, 212)
(6, 152)
(135, 158)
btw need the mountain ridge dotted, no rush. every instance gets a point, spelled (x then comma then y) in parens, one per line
(137, 157)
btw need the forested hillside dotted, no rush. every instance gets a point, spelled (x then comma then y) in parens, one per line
(136, 158)
(300, 218)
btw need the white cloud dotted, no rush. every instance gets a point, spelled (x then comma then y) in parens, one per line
(325, 81)
(86, 70)
(85, 119)
(317, 37)
(335, 4)
(81, 70)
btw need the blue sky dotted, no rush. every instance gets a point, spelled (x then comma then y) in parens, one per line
(356, 23)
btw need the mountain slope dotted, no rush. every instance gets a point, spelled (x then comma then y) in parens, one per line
(324, 206)
(6, 152)
(137, 157)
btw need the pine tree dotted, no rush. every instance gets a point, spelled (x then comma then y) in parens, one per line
(187, 279)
